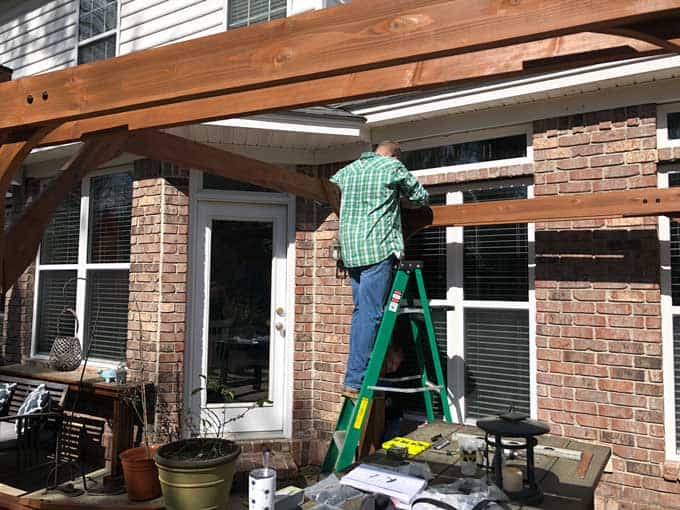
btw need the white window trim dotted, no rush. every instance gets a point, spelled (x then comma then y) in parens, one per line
(662, 139)
(667, 313)
(116, 31)
(471, 136)
(455, 349)
(81, 268)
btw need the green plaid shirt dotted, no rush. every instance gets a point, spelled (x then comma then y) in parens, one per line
(370, 214)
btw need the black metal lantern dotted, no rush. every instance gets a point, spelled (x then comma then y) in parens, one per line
(514, 425)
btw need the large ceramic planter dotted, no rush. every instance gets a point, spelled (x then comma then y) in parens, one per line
(197, 482)
(140, 473)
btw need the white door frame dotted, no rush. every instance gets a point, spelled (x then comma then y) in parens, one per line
(194, 340)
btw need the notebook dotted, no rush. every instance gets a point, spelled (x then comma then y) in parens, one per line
(373, 479)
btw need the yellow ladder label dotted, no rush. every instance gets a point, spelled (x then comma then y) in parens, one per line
(361, 412)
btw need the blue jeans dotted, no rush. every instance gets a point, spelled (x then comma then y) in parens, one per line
(370, 285)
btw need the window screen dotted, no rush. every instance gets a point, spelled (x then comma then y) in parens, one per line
(248, 12)
(467, 152)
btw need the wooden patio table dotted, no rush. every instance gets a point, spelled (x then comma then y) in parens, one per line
(122, 417)
(568, 484)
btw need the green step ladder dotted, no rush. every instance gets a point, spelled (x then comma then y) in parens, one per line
(355, 412)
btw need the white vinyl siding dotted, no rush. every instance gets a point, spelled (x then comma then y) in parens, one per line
(38, 40)
(147, 24)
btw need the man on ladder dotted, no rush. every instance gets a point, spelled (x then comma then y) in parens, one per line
(370, 240)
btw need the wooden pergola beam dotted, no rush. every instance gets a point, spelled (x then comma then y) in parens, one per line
(521, 59)
(22, 240)
(189, 154)
(586, 206)
(340, 40)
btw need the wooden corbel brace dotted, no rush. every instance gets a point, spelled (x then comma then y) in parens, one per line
(24, 237)
(332, 192)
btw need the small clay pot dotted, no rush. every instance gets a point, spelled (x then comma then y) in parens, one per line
(141, 473)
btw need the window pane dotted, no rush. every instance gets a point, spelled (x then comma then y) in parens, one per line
(429, 245)
(107, 313)
(673, 122)
(97, 17)
(60, 240)
(467, 152)
(496, 361)
(97, 50)
(249, 12)
(496, 257)
(240, 302)
(56, 293)
(216, 182)
(110, 212)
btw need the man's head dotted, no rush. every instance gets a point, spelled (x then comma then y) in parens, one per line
(388, 149)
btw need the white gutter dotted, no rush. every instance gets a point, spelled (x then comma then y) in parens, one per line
(516, 91)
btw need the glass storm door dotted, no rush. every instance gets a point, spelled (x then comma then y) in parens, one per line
(243, 356)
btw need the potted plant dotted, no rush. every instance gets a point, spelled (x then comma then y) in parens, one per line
(139, 469)
(197, 472)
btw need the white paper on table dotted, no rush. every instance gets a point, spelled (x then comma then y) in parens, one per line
(382, 481)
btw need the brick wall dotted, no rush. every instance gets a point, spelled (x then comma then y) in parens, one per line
(323, 301)
(597, 298)
(155, 348)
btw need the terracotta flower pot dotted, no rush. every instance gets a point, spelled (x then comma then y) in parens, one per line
(141, 473)
(197, 473)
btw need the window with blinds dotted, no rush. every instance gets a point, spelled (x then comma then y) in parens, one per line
(242, 13)
(103, 235)
(493, 305)
(97, 23)
(496, 339)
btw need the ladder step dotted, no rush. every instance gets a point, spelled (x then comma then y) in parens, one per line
(418, 389)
